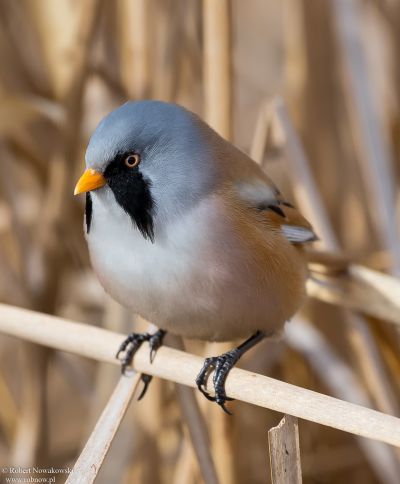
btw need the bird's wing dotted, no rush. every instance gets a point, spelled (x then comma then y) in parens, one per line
(263, 196)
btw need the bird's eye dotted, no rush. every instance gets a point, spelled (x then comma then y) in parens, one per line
(132, 160)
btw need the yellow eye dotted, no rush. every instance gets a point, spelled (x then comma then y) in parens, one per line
(132, 160)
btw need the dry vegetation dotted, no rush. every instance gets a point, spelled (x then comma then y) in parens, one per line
(330, 140)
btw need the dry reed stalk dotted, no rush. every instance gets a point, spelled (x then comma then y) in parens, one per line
(169, 53)
(148, 422)
(134, 46)
(52, 206)
(19, 111)
(390, 353)
(8, 410)
(31, 425)
(359, 288)
(183, 368)
(14, 291)
(198, 433)
(217, 65)
(196, 426)
(22, 48)
(373, 151)
(62, 29)
(295, 51)
(284, 452)
(7, 181)
(306, 192)
(90, 460)
(217, 81)
(184, 468)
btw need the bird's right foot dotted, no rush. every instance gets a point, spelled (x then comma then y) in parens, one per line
(129, 347)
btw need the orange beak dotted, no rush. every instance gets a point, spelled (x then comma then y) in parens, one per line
(90, 180)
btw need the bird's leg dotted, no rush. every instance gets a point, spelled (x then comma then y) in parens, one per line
(222, 365)
(129, 347)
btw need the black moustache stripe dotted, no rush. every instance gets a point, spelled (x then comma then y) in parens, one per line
(132, 192)
(88, 211)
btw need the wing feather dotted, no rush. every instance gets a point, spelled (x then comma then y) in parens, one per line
(266, 198)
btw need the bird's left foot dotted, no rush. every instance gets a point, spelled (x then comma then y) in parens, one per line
(222, 365)
(129, 347)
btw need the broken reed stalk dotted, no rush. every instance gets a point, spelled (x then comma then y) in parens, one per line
(183, 368)
(284, 452)
(90, 460)
(343, 383)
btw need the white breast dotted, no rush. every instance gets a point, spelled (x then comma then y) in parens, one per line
(169, 281)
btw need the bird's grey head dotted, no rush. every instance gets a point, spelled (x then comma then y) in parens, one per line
(171, 154)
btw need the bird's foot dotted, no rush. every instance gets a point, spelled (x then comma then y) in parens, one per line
(221, 365)
(129, 347)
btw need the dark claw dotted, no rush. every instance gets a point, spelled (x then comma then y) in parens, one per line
(225, 409)
(201, 380)
(206, 394)
(155, 342)
(146, 379)
(125, 343)
(130, 346)
(221, 366)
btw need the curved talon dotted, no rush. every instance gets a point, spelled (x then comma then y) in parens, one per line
(206, 394)
(155, 341)
(222, 405)
(146, 379)
(118, 353)
(123, 346)
(201, 380)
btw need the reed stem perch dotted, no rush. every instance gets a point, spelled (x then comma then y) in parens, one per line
(181, 367)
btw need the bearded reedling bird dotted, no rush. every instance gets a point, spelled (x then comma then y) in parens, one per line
(188, 232)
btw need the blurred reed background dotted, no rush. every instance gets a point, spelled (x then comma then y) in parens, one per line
(65, 64)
